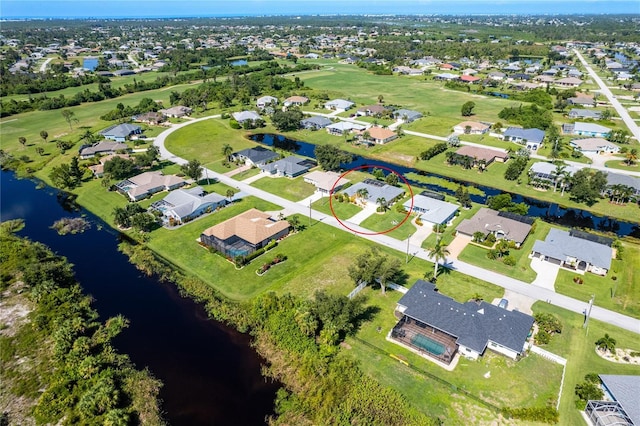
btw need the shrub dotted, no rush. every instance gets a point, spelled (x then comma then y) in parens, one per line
(542, 337)
(509, 261)
(433, 151)
(234, 124)
(546, 414)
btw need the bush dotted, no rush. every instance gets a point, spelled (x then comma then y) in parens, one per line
(542, 337)
(433, 151)
(234, 124)
(536, 414)
(509, 261)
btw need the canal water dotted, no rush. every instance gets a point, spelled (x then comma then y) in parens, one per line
(211, 374)
(549, 212)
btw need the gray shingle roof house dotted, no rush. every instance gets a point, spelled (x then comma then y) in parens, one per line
(291, 166)
(186, 204)
(586, 101)
(255, 156)
(620, 179)
(531, 138)
(342, 127)
(339, 104)
(316, 122)
(432, 210)
(621, 405)
(497, 223)
(439, 327)
(121, 132)
(376, 190)
(585, 113)
(572, 252)
(407, 115)
(102, 148)
(243, 116)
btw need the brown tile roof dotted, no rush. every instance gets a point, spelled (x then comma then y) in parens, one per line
(487, 220)
(253, 226)
(481, 153)
(380, 133)
(474, 125)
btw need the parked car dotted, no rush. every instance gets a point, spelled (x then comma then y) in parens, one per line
(503, 304)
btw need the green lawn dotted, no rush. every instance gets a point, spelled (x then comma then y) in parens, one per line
(390, 219)
(295, 189)
(450, 232)
(343, 211)
(625, 289)
(247, 174)
(617, 164)
(477, 255)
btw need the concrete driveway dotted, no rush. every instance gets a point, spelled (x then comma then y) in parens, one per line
(457, 245)
(547, 273)
(517, 301)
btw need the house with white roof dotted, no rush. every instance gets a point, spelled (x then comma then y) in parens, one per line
(431, 210)
(183, 205)
(243, 116)
(337, 104)
(325, 182)
(586, 129)
(266, 101)
(148, 183)
(471, 128)
(585, 114)
(343, 127)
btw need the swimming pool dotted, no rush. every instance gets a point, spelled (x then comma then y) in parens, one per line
(427, 344)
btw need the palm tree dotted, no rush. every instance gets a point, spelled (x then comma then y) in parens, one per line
(606, 343)
(382, 202)
(631, 157)
(560, 168)
(230, 194)
(227, 150)
(438, 252)
(362, 193)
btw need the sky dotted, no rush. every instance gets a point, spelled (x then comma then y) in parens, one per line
(17, 9)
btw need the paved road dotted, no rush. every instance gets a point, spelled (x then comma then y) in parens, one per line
(534, 292)
(622, 112)
(43, 67)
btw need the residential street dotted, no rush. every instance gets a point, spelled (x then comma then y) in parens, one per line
(624, 114)
(534, 292)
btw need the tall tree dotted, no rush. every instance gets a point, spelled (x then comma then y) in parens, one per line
(69, 116)
(372, 266)
(193, 169)
(438, 252)
(227, 150)
(44, 135)
(467, 108)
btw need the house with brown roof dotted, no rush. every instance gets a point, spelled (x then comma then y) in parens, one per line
(503, 225)
(471, 128)
(147, 183)
(245, 233)
(325, 181)
(488, 155)
(377, 135)
(295, 101)
(102, 148)
(150, 117)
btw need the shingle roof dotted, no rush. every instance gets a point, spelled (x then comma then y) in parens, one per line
(103, 146)
(317, 121)
(590, 144)
(258, 154)
(246, 115)
(487, 220)
(481, 153)
(585, 113)
(325, 180)
(560, 245)
(436, 211)
(339, 103)
(410, 114)
(625, 390)
(291, 165)
(590, 127)
(185, 201)
(375, 190)
(473, 324)
(345, 126)
(531, 135)
(120, 130)
(252, 226)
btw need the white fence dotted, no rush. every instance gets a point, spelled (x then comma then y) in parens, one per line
(398, 287)
(357, 290)
(554, 358)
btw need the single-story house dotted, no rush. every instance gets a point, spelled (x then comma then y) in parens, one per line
(566, 249)
(620, 404)
(148, 183)
(102, 148)
(503, 225)
(343, 127)
(315, 123)
(255, 156)
(378, 135)
(486, 154)
(545, 78)
(568, 82)
(149, 117)
(471, 128)
(432, 210)
(531, 138)
(325, 182)
(98, 169)
(407, 115)
(626, 180)
(183, 205)
(245, 233)
(376, 110)
(295, 101)
(595, 145)
(265, 101)
(291, 166)
(339, 104)
(447, 76)
(469, 79)
(375, 190)
(497, 75)
(439, 327)
(121, 132)
(177, 111)
(585, 114)
(586, 129)
(243, 116)
(585, 101)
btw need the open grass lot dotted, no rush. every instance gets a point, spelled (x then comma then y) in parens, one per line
(578, 348)
(477, 255)
(625, 289)
(295, 189)
(343, 211)
(509, 384)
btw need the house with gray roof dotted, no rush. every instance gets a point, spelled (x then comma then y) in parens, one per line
(315, 123)
(243, 116)
(343, 127)
(585, 114)
(148, 183)
(265, 101)
(432, 210)
(291, 166)
(585, 101)
(376, 190)
(183, 205)
(339, 104)
(586, 129)
(569, 251)
(177, 111)
(102, 148)
(436, 326)
(407, 115)
(121, 132)
(531, 138)
(255, 156)
(502, 225)
(626, 180)
(620, 404)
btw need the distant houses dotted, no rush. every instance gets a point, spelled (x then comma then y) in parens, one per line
(245, 233)
(121, 132)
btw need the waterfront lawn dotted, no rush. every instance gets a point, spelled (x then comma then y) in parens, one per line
(98, 200)
(577, 345)
(342, 210)
(625, 289)
(477, 255)
(295, 189)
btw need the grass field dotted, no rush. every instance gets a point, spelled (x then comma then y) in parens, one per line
(389, 220)
(295, 189)
(617, 164)
(477, 255)
(343, 211)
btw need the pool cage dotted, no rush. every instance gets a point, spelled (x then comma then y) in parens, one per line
(607, 413)
(425, 339)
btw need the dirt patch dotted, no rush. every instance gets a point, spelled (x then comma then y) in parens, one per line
(14, 308)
